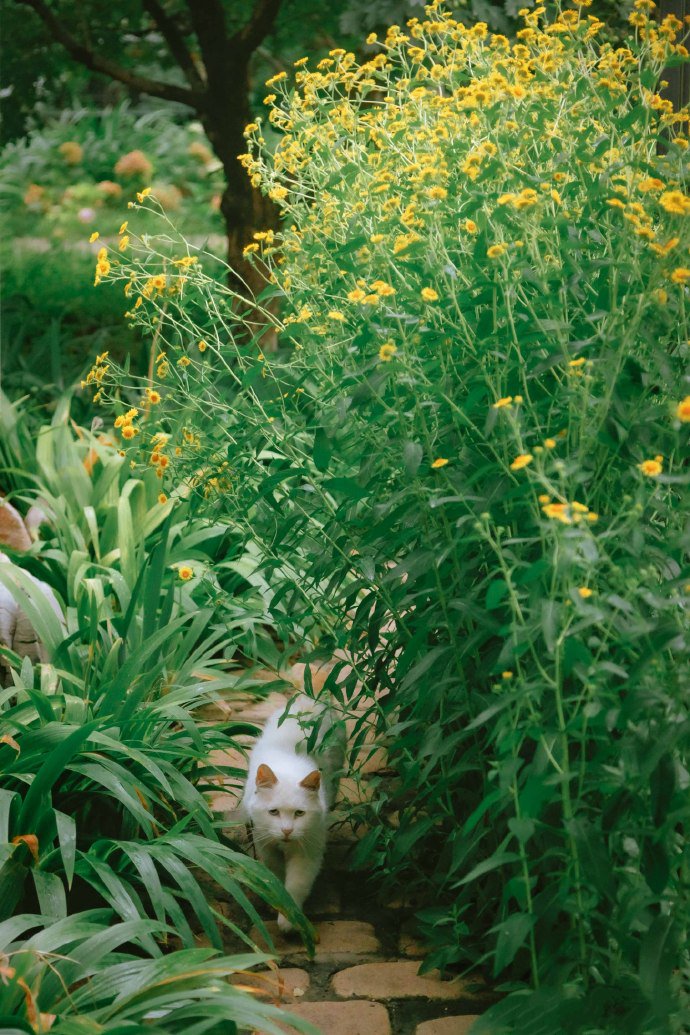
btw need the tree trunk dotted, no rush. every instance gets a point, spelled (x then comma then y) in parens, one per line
(243, 207)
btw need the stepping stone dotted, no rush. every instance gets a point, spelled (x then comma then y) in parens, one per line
(448, 1025)
(285, 985)
(409, 946)
(13, 531)
(344, 1018)
(397, 980)
(337, 940)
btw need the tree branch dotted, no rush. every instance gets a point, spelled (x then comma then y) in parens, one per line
(176, 43)
(90, 59)
(259, 25)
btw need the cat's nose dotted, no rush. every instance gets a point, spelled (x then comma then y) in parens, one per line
(286, 832)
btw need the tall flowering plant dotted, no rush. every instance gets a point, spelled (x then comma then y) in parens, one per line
(467, 464)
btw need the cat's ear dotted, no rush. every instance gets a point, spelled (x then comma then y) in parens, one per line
(312, 782)
(265, 777)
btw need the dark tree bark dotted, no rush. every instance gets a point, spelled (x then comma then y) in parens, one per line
(218, 92)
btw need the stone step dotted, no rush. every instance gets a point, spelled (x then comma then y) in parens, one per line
(335, 1018)
(396, 980)
(281, 986)
(458, 1025)
(339, 941)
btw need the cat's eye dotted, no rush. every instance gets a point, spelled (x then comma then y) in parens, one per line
(299, 812)
(274, 812)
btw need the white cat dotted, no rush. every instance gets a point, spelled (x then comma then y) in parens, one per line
(289, 792)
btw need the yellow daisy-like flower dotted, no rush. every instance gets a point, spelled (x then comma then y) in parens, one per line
(500, 403)
(123, 227)
(143, 194)
(429, 295)
(128, 431)
(550, 443)
(495, 251)
(651, 468)
(681, 275)
(153, 396)
(471, 227)
(335, 314)
(356, 295)
(521, 461)
(439, 462)
(585, 592)
(507, 674)
(559, 512)
(387, 351)
(94, 236)
(683, 410)
(162, 498)
(185, 572)
(202, 346)
(580, 362)
(124, 241)
(675, 202)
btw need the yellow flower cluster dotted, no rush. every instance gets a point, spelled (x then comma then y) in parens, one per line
(126, 425)
(97, 372)
(568, 513)
(102, 266)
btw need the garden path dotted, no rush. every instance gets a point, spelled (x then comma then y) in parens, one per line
(363, 979)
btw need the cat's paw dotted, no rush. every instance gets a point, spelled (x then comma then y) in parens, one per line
(284, 924)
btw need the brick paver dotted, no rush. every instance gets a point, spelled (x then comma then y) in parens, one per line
(396, 980)
(337, 940)
(448, 1025)
(345, 1018)
(285, 985)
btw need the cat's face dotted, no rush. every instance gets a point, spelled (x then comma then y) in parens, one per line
(283, 811)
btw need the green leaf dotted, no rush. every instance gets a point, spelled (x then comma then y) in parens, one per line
(497, 591)
(50, 892)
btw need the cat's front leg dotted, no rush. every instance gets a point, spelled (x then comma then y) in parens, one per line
(300, 874)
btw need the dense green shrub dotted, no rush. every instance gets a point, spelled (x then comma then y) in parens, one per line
(108, 844)
(468, 466)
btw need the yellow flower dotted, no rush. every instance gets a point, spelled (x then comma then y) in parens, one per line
(558, 511)
(496, 250)
(94, 237)
(124, 241)
(128, 431)
(250, 248)
(521, 461)
(185, 572)
(184, 361)
(544, 498)
(162, 498)
(376, 238)
(429, 295)
(675, 202)
(680, 275)
(153, 396)
(550, 443)
(507, 674)
(471, 226)
(651, 468)
(577, 362)
(202, 346)
(585, 592)
(123, 227)
(387, 351)
(439, 462)
(335, 314)
(505, 401)
(683, 410)
(143, 194)
(356, 295)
